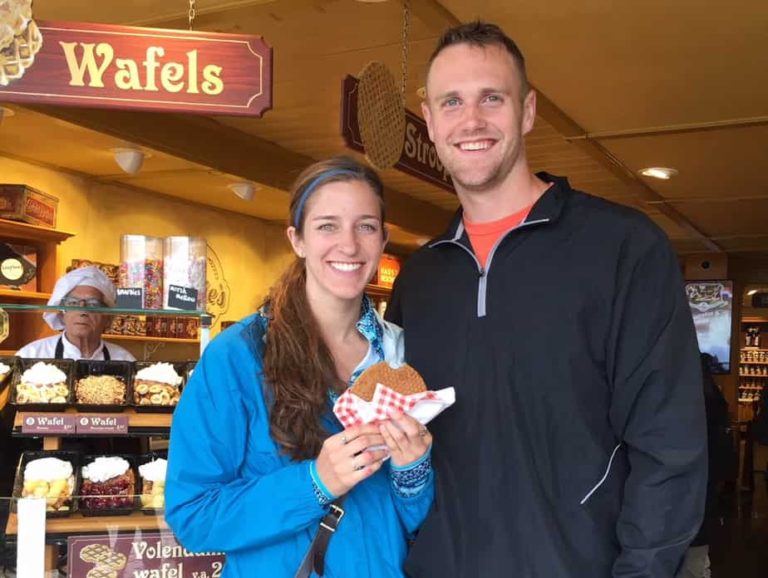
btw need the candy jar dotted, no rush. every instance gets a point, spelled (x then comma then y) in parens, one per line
(141, 266)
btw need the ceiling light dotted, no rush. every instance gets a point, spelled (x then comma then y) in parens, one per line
(5, 113)
(751, 291)
(243, 189)
(129, 159)
(663, 173)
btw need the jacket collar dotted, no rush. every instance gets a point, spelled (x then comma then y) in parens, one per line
(549, 206)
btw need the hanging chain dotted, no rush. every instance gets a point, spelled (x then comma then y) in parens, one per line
(404, 55)
(192, 13)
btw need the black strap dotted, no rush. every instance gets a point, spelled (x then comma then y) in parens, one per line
(59, 353)
(314, 559)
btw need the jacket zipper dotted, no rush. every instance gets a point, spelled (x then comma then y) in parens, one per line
(482, 282)
(605, 476)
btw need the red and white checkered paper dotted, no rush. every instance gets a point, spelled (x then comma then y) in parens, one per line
(425, 406)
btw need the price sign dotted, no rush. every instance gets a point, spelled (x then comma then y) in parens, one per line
(182, 298)
(130, 297)
(48, 423)
(102, 424)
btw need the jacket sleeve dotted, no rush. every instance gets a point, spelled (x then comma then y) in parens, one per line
(657, 411)
(227, 489)
(413, 493)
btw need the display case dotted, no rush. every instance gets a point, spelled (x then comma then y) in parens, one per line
(753, 366)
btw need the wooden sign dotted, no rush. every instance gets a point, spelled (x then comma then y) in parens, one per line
(97, 65)
(419, 157)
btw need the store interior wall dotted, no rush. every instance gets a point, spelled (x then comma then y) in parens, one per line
(251, 251)
(743, 269)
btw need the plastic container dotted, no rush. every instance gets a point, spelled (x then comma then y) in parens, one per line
(141, 266)
(70, 504)
(143, 392)
(147, 497)
(124, 498)
(19, 392)
(184, 265)
(120, 370)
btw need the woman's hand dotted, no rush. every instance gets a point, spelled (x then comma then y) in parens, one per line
(343, 462)
(406, 438)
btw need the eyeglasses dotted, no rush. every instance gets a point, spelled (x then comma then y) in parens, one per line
(76, 302)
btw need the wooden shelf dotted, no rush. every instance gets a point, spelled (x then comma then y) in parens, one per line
(750, 375)
(753, 362)
(11, 295)
(149, 339)
(26, 232)
(138, 423)
(79, 524)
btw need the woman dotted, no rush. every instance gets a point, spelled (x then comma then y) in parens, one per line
(256, 455)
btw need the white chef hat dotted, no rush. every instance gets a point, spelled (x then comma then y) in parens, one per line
(87, 276)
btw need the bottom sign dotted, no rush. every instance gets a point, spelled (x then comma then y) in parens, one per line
(139, 555)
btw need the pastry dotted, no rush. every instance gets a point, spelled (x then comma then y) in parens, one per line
(103, 556)
(405, 380)
(100, 390)
(108, 483)
(102, 571)
(157, 385)
(52, 479)
(42, 383)
(153, 484)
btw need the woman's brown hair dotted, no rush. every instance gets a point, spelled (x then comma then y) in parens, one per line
(299, 369)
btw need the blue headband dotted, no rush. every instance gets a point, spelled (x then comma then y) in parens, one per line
(313, 184)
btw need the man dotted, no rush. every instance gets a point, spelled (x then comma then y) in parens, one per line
(577, 446)
(81, 335)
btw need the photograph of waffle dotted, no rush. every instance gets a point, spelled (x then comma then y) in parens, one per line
(20, 40)
(102, 384)
(107, 563)
(152, 475)
(50, 476)
(108, 486)
(157, 386)
(43, 383)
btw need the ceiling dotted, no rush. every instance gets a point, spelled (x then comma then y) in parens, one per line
(622, 86)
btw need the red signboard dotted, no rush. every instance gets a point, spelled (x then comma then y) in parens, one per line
(97, 65)
(136, 555)
(419, 157)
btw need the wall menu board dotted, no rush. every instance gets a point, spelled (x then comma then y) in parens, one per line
(711, 304)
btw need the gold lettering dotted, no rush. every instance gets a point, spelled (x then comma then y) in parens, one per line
(127, 78)
(212, 80)
(410, 144)
(78, 69)
(170, 75)
(151, 65)
(192, 65)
